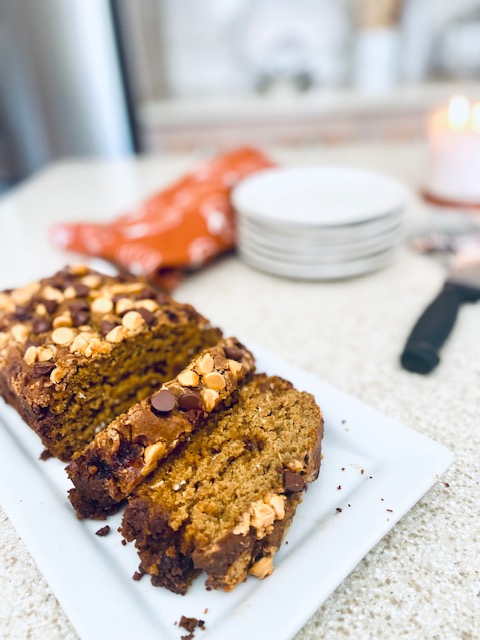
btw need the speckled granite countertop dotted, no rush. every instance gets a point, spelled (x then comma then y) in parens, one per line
(422, 580)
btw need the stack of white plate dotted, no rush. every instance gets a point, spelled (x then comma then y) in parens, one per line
(318, 222)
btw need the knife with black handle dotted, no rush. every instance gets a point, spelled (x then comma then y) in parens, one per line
(421, 352)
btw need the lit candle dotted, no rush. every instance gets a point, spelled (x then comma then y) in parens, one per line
(454, 153)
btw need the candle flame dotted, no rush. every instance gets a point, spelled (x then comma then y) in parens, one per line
(475, 117)
(458, 112)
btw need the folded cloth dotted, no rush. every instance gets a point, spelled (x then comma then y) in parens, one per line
(175, 230)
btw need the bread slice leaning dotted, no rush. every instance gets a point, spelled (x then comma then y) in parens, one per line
(223, 500)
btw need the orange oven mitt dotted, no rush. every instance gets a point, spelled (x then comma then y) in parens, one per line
(175, 230)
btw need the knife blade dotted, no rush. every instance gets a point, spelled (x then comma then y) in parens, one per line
(421, 352)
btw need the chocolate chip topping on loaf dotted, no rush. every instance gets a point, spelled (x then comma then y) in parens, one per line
(79, 348)
(223, 500)
(130, 448)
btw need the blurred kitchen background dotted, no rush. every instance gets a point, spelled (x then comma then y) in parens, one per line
(109, 77)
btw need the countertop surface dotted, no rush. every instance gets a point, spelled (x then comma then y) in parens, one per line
(421, 580)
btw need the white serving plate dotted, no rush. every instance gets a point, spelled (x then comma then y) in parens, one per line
(382, 466)
(318, 196)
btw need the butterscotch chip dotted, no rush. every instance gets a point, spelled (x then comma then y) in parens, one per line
(57, 375)
(132, 321)
(20, 333)
(205, 364)
(30, 355)
(235, 367)
(117, 334)
(278, 504)
(97, 346)
(295, 465)
(188, 378)
(262, 568)
(18, 296)
(214, 380)
(263, 516)
(126, 288)
(6, 303)
(23, 295)
(63, 336)
(91, 281)
(242, 527)
(151, 456)
(64, 320)
(3, 339)
(102, 305)
(44, 354)
(79, 269)
(40, 309)
(210, 398)
(52, 293)
(123, 305)
(80, 342)
(148, 304)
(70, 293)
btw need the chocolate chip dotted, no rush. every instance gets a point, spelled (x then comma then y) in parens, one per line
(147, 315)
(106, 326)
(292, 482)
(81, 289)
(41, 325)
(171, 315)
(195, 416)
(80, 312)
(50, 305)
(147, 292)
(22, 313)
(142, 440)
(42, 369)
(153, 294)
(234, 353)
(80, 317)
(163, 401)
(15, 369)
(57, 281)
(189, 401)
(78, 305)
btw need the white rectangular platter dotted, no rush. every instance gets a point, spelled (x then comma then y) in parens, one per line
(381, 466)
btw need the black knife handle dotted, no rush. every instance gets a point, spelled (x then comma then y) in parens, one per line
(433, 328)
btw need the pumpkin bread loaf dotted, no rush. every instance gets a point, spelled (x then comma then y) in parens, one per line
(79, 348)
(130, 448)
(223, 500)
